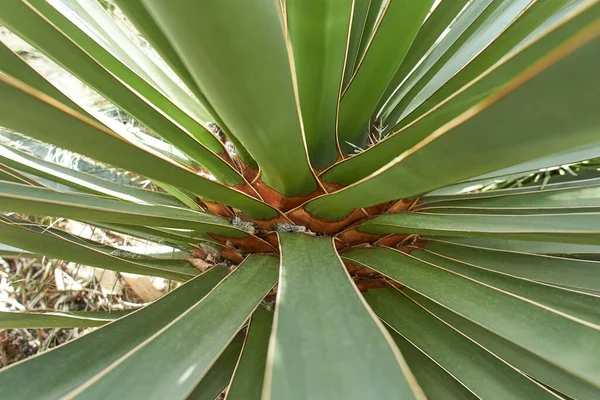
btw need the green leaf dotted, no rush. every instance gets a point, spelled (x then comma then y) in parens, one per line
(81, 180)
(459, 149)
(71, 248)
(247, 382)
(534, 16)
(318, 32)
(581, 228)
(56, 319)
(53, 122)
(436, 382)
(233, 70)
(45, 202)
(433, 27)
(537, 329)
(393, 35)
(138, 14)
(474, 367)
(400, 141)
(219, 375)
(582, 274)
(132, 56)
(480, 24)
(12, 175)
(584, 197)
(87, 60)
(78, 361)
(320, 328)
(520, 358)
(190, 344)
(526, 246)
(570, 156)
(569, 302)
(360, 10)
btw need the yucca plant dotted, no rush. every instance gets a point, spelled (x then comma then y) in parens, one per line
(320, 152)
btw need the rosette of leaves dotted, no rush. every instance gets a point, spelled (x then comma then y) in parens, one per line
(318, 149)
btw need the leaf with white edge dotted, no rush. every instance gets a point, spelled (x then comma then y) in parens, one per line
(537, 14)
(360, 10)
(526, 246)
(316, 291)
(481, 22)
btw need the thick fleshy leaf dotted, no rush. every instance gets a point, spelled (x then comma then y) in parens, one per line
(37, 240)
(78, 361)
(575, 273)
(460, 150)
(475, 368)
(53, 122)
(219, 375)
(190, 344)
(247, 382)
(302, 361)
(520, 358)
(495, 80)
(581, 228)
(319, 32)
(393, 35)
(233, 70)
(540, 330)
(56, 319)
